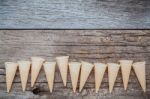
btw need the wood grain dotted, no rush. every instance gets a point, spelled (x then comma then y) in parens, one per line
(88, 45)
(75, 14)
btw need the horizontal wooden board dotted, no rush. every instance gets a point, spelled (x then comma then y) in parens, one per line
(81, 45)
(75, 14)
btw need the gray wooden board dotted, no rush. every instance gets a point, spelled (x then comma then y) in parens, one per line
(87, 45)
(75, 14)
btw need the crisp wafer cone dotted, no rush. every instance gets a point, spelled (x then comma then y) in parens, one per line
(62, 63)
(113, 69)
(24, 67)
(74, 68)
(86, 68)
(125, 69)
(99, 69)
(49, 68)
(35, 68)
(139, 68)
(10, 73)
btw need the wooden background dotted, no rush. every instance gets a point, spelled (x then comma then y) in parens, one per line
(75, 14)
(87, 45)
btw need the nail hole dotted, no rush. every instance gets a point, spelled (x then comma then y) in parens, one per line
(36, 91)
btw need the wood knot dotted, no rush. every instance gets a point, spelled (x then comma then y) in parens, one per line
(36, 90)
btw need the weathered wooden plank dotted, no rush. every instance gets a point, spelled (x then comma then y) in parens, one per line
(88, 45)
(75, 14)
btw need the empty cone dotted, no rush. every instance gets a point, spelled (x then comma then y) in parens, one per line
(62, 63)
(35, 68)
(74, 68)
(99, 69)
(113, 69)
(24, 67)
(49, 68)
(125, 69)
(139, 68)
(10, 73)
(86, 68)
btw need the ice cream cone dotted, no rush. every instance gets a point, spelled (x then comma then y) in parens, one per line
(11, 69)
(139, 68)
(24, 67)
(49, 68)
(62, 63)
(86, 68)
(74, 68)
(113, 69)
(99, 69)
(35, 68)
(125, 69)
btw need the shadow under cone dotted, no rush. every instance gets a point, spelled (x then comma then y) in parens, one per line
(49, 68)
(125, 69)
(37, 63)
(139, 68)
(62, 63)
(24, 67)
(74, 68)
(113, 69)
(86, 68)
(99, 69)
(11, 69)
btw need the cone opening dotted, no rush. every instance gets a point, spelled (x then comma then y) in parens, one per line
(49, 63)
(37, 59)
(10, 63)
(126, 62)
(24, 62)
(87, 64)
(100, 65)
(113, 64)
(62, 57)
(74, 63)
(139, 63)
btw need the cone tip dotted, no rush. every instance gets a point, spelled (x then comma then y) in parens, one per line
(110, 91)
(80, 90)
(8, 90)
(23, 89)
(96, 91)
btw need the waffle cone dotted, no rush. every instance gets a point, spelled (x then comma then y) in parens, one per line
(10, 73)
(125, 69)
(35, 68)
(139, 68)
(49, 68)
(99, 69)
(24, 67)
(74, 68)
(62, 63)
(113, 69)
(86, 68)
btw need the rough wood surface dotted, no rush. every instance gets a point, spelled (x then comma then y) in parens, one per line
(88, 45)
(72, 14)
